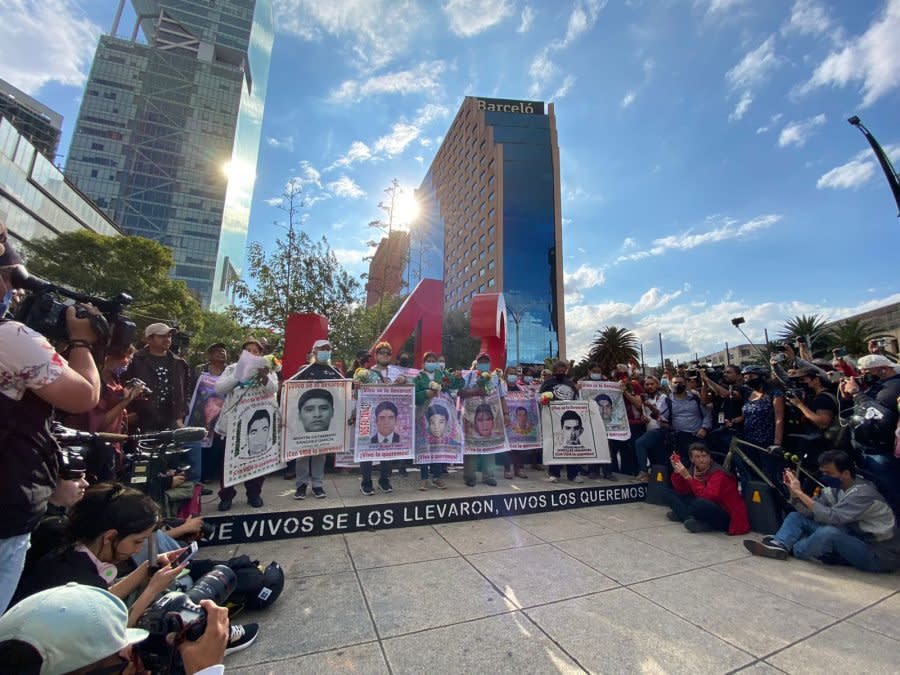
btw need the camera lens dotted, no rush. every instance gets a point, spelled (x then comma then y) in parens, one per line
(216, 585)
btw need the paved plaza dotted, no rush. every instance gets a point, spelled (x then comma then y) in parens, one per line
(608, 589)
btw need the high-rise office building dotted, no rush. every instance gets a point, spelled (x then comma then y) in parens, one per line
(168, 133)
(35, 121)
(385, 276)
(490, 220)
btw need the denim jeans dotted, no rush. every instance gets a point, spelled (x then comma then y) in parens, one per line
(195, 458)
(384, 472)
(437, 470)
(12, 561)
(310, 468)
(811, 540)
(689, 506)
(650, 446)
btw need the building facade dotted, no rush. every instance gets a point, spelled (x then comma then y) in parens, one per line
(35, 121)
(36, 201)
(385, 276)
(168, 133)
(490, 220)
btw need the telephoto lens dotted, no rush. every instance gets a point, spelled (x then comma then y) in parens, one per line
(215, 585)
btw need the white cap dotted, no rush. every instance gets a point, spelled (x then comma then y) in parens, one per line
(158, 329)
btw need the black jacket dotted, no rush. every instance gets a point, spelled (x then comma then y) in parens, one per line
(318, 371)
(152, 417)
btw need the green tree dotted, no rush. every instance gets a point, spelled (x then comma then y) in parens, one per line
(300, 275)
(107, 265)
(362, 328)
(216, 327)
(613, 345)
(459, 347)
(853, 335)
(811, 327)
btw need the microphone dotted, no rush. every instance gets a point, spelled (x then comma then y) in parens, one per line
(183, 435)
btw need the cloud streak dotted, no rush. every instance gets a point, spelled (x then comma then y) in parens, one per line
(797, 133)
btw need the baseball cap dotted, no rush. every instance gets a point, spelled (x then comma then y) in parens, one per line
(875, 361)
(70, 626)
(320, 343)
(158, 329)
(8, 255)
(482, 356)
(216, 345)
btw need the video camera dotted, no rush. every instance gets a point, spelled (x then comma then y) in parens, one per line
(181, 614)
(44, 311)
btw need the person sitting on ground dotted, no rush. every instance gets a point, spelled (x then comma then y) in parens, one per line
(84, 629)
(848, 523)
(705, 497)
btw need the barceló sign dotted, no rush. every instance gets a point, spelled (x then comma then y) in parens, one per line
(255, 527)
(507, 106)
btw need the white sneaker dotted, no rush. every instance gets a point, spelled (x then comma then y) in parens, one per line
(241, 636)
(551, 479)
(578, 479)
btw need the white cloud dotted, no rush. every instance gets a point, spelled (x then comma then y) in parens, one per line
(46, 41)
(564, 88)
(755, 68)
(722, 6)
(377, 30)
(350, 257)
(857, 171)
(419, 159)
(308, 175)
(286, 143)
(808, 17)
(394, 143)
(872, 58)
(274, 201)
(628, 243)
(727, 228)
(583, 278)
(797, 133)
(358, 152)
(628, 99)
(526, 20)
(742, 107)
(773, 120)
(653, 299)
(346, 187)
(470, 17)
(423, 78)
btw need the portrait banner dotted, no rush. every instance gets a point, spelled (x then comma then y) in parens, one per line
(252, 445)
(573, 433)
(439, 437)
(608, 397)
(524, 429)
(314, 414)
(206, 405)
(483, 426)
(385, 423)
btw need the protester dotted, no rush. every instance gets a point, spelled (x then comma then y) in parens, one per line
(564, 389)
(848, 523)
(470, 388)
(383, 372)
(705, 497)
(726, 398)
(656, 407)
(229, 386)
(425, 391)
(312, 469)
(34, 379)
(83, 629)
(166, 375)
(514, 460)
(216, 361)
(762, 420)
(818, 407)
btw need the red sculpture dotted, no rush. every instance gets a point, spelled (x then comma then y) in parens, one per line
(301, 332)
(488, 322)
(422, 310)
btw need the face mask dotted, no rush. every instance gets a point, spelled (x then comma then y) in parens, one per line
(323, 356)
(431, 366)
(754, 383)
(483, 367)
(528, 379)
(869, 379)
(596, 376)
(403, 363)
(831, 482)
(664, 382)
(442, 364)
(512, 379)
(680, 388)
(118, 372)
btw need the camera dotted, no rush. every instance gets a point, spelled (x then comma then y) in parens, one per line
(181, 614)
(44, 311)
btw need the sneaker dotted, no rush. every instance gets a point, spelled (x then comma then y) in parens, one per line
(224, 505)
(439, 484)
(319, 492)
(521, 474)
(205, 492)
(470, 482)
(255, 501)
(551, 479)
(490, 481)
(366, 490)
(301, 492)
(385, 485)
(671, 516)
(241, 636)
(695, 526)
(766, 549)
(610, 476)
(642, 477)
(508, 475)
(578, 479)
(423, 486)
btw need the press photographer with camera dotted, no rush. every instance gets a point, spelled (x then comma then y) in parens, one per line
(35, 379)
(727, 398)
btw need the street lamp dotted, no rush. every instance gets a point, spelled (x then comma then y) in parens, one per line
(889, 172)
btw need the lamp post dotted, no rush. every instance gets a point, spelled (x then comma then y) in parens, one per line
(889, 172)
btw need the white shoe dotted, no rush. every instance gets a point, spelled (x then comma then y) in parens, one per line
(578, 479)
(551, 479)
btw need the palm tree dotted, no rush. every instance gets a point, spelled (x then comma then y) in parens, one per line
(811, 327)
(613, 345)
(853, 335)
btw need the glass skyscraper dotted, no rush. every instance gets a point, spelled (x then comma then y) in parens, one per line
(168, 133)
(491, 222)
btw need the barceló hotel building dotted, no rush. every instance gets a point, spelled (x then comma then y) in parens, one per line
(490, 220)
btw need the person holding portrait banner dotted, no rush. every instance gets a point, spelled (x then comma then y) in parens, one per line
(560, 388)
(573, 430)
(609, 397)
(524, 429)
(248, 423)
(439, 438)
(485, 418)
(384, 431)
(314, 406)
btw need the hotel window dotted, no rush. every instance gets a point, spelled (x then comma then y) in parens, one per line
(491, 213)
(491, 180)
(491, 247)
(481, 272)
(491, 197)
(481, 288)
(491, 265)
(491, 229)
(491, 282)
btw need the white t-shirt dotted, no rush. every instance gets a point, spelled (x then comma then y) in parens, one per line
(27, 360)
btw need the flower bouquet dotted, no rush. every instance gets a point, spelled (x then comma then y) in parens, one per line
(546, 397)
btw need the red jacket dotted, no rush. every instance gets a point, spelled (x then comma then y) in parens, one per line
(720, 488)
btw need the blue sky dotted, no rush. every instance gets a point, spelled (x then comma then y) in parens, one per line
(708, 170)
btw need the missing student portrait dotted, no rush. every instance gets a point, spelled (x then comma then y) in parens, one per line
(573, 431)
(315, 415)
(611, 404)
(385, 427)
(439, 438)
(524, 429)
(483, 425)
(253, 439)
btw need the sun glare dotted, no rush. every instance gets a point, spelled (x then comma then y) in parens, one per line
(406, 209)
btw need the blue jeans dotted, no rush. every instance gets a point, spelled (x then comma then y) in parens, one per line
(195, 457)
(12, 562)
(650, 446)
(811, 540)
(437, 470)
(310, 469)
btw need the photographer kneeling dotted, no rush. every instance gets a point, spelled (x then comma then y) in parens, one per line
(75, 629)
(34, 379)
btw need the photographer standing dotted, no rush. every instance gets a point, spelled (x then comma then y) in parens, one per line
(34, 379)
(168, 377)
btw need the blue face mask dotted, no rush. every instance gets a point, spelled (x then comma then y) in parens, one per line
(483, 367)
(528, 379)
(831, 482)
(512, 379)
(119, 371)
(323, 356)
(432, 367)
(596, 376)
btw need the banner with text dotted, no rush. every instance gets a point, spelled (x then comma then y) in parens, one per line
(573, 433)
(608, 397)
(252, 445)
(385, 428)
(206, 405)
(315, 417)
(483, 427)
(524, 429)
(439, 437)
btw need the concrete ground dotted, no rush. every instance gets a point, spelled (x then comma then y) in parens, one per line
(609, 589)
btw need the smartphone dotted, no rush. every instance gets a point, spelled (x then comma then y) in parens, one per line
(185, 555)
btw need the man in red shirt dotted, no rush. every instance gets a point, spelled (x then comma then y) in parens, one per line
(705, 497)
